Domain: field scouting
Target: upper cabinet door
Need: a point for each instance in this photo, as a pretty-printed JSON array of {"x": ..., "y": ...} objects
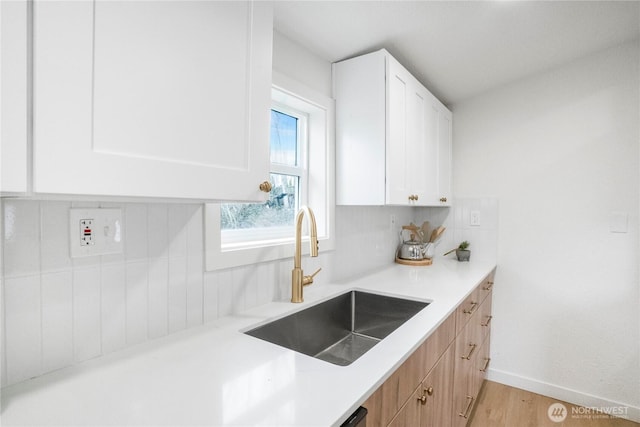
[
  {"x": 14, "y": 123},
  {"x": 411, "y": 148},
  {"x": 400, "y": 137},
  {"x": 445, "y": 125},
  {"x": 158, "y": 99}
]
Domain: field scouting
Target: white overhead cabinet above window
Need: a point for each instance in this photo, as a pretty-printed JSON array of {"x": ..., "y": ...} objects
[
  {"x": 393, "y": 137},
  {"x": 152, "y": 99}
]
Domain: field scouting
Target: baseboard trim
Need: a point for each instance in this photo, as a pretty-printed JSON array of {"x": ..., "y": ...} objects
[{"x": 561, "y": 393}]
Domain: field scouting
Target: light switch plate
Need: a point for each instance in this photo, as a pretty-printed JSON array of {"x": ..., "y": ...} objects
[
  {"x": 95, "y": 232},
  {"x": 618, "y": 222},
  {"x": 474, "y": 218}
]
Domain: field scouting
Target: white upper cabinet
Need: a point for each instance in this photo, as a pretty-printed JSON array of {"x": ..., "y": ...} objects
[
  {"x": 152, "y": 99},
  {"x": 14, "y": 122},
  {"x": 391, "y": 143}
]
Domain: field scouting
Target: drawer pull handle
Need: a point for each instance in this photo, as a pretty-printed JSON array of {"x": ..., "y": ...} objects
[
  {"x": 488, "y": 287},
  {"x": 486, "y": 364},
  {"x": 471, "y": 309},
  {"x": 473, "y": 348},
  {"x": 487, "y": 322},
  {"x": 467, "y": 412}
]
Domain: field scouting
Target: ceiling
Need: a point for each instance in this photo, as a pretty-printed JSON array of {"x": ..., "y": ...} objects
[{"x": 459, "y": 49}]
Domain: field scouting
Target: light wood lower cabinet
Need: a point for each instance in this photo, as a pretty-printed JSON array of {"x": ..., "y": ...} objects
[
  {"x": 472, "y": 357},
  {"x": 438, "y": 384}
]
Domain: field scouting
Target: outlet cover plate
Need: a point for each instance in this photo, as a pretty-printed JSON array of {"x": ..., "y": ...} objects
[{"x": 95, "y": 232}]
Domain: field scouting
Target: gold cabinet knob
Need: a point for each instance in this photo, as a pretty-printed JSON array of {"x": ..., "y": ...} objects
[
  {"x": 429, "y": 391},
  {"x": 443, "y": 199},
  {"x": 423, "y": 399},
  {"x": 413, "y": 197},
  {"x": 266, "y": 187}
]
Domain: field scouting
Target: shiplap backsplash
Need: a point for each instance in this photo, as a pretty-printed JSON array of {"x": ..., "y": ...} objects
[{"x": 59, "y": 311}]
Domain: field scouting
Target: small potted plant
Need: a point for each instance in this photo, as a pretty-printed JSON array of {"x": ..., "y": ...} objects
[{"x": 462, "y": 251}]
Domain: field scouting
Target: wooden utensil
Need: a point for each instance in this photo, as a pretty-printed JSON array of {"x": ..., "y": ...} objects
[{"x": 437, "y": 232}]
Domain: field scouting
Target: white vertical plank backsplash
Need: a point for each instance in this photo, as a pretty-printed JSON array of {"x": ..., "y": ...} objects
[
  {"x": 210, "y": 297},
  {"x": 21, "y": 238},
  {"x": 194, "y": 290},
  {"x": 224, "y": 287},
  {"x": 195, "y": 267},
  {"x": 157, "y": 229},
  {"x": 87, "y": 331},
  {"x": 23, "y": 319},
  {"x": 3, "y": 341},
  {"x": 137, "y": 291},
  {"x": 136, "y": 237},
  {"x": 177, "y": 293},
  {"x": 57, "y": 320},
  {"x": 76, "y": 309},
  {"x": 113, "y": 298},
  {"x": 54, "y": 248},
  {"x": 177, "y": 230},
  {"x": 158, "y": 297}
]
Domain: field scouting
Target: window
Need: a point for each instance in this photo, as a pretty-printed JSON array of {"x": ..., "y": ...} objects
[
  {"x": 253, "y": 222},
  {"x": 302, "y": 173}
]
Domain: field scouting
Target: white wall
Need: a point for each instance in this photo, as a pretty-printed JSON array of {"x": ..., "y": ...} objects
[
  {"x": 560, "y": 151},
  {"x": 292, "y": 60}
]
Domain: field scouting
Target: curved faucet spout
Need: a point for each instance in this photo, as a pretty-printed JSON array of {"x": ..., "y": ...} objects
[{"x": 298, "y": 279}]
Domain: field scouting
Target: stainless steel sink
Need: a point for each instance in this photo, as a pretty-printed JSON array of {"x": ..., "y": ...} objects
[{"x": 341, "y": 329}]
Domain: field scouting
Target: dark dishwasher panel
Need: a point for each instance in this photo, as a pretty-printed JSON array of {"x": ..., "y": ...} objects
[{"x": 358, "y": 418}]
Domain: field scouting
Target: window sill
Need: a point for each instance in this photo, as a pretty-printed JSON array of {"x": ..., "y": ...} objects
[{"x": 249, "y": 256}]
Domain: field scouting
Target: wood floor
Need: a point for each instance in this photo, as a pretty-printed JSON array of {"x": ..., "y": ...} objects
[{"x": 503, "y": 406}]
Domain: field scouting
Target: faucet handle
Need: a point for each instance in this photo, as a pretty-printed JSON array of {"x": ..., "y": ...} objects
[{"x": 307, "y": 280}]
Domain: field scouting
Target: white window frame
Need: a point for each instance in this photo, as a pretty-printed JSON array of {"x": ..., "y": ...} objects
[
  {"x": 247, "y": 238},
  {"x": 320, "y": 186}
]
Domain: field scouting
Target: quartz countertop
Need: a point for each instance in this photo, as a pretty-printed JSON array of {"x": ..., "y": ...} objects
[{"x": 217, "y": 375}]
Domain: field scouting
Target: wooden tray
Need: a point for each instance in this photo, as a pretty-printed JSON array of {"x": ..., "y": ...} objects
[{"x": 419, "y": 262}]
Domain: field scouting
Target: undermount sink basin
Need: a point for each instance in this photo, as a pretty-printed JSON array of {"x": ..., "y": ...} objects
[{"x": 341, "y": 329}]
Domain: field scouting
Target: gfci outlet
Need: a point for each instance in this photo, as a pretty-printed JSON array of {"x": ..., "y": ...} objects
[
  {"x": 95, "y": 232},
  {"x": 86, "y": 232}
]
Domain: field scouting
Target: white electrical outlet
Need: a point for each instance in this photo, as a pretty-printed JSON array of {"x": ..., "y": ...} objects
[
  {"x": 474, "y": 218},
  {"x": 86, "y": 232},
  {"x": 95, "y": 232}
]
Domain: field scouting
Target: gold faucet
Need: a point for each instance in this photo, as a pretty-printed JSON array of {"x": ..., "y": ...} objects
[{"x": 298, "y": 279}]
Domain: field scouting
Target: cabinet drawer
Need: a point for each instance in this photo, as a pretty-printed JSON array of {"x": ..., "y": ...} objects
[
  {"x": 467, "y": 345},
  {"x": 486, "y": 286},
  {"x": 463, "y": 396},
  {"x": 480, "y": 365},
  {"x": 437, "y": 343},
  {"x": 467, "y": 309},
  {"x": 485, "y": 318}
]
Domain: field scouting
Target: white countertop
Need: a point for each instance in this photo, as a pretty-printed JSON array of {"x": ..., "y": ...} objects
[{"x": 216, "y": 375}]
